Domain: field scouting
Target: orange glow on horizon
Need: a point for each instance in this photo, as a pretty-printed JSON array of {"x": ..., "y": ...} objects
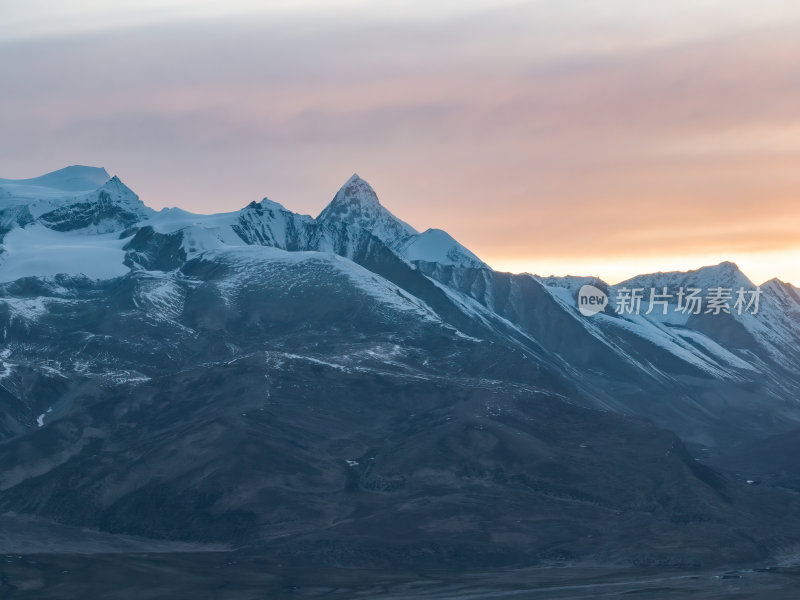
[
  {"x": 759, "y": 268},
  {"x": 622, "y": 138}
]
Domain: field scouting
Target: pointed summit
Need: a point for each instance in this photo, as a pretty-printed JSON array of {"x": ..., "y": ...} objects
[
  {"x": 115, "y": 192},
  {"x": 356, "y": 205},
  {"x": 354, "y": 194}
]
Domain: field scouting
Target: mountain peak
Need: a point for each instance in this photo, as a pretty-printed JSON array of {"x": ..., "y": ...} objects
[
  {"x": 725, "y": 266},
  {"x": 354, "y": 177},
  {"x": 356, "y": 191},
  {"x": 724, "y": 274},
  {"x": 75, "y": 178},
  {"x": 356, "y": 205},
  {"x": 95, "y": 174}
]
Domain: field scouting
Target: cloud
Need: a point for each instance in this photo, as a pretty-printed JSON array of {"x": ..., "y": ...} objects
[{"x": 521, "y": 128}]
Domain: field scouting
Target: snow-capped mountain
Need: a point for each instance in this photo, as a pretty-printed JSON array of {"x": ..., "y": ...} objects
[
  {"x": 437, "y": 246},
  {"x": 54, "y": 228},
  {"x": 66, "y": 223},
  {"x": 356, "y": 206},
  {"x": 109, "y": 208},
  {"x": 74, "y": 179},
  {"x": 266, "y": 377},
  {"x": 89, "y": 192}
]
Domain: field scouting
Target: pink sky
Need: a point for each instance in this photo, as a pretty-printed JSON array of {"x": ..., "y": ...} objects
[{"x": 548, "y": 136}]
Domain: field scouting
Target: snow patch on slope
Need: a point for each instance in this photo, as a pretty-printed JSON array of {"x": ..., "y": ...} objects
[
  {"x": 159, "y": 295},
  {"x": 27, "y": 309},
  {"x": 435, "y": 245},
  {"x": 170, "y": 220},
  {"x": 77, "y": 178},
  {"x": 37, "y": 251},
  {"x": 247, "y": 262},
  {"x": 53, "y": 190}
]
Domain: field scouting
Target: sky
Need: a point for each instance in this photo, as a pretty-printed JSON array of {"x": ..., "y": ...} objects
[{"x": 548, "y": 136}]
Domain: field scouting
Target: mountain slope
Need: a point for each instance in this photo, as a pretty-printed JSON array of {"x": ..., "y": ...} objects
[
  {"x": 708, "y": 377},
  {"x": 350, "y": 391},
  {"x": 381, "y": 469}
]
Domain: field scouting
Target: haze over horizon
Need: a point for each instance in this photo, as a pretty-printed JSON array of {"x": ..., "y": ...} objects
[{"x": 548, "y": 137}]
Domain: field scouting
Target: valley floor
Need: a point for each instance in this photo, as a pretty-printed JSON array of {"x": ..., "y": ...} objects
[{"x": 234, "y": 575}]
